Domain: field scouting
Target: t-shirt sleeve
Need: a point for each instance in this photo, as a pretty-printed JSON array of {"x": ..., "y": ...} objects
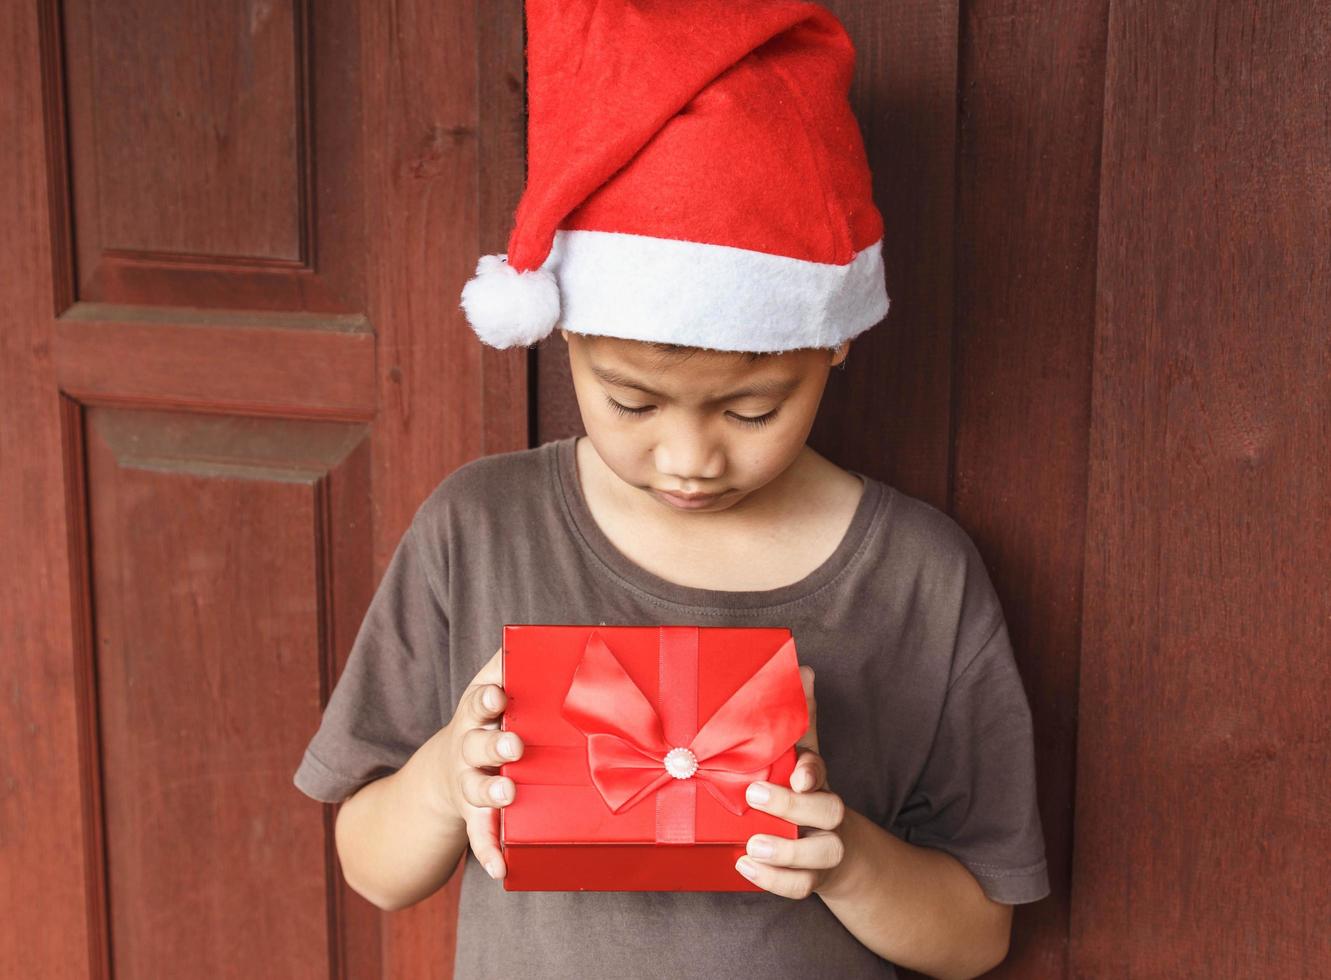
[
  {"x": 386, "y": 703},
  {"x": 976, "y": 798}
]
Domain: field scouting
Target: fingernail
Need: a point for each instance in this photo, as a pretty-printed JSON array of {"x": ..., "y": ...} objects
[
  {"x": 508, "y": 744},
  {"x": 499, "y": 792},
  {"x": 492, "y": 868},
  {"x": 757, "y": 793},
  {"x": 491, "y": 698},
  {"x": 760, "y": 848},
  {"x": 803, "y": 780},
  {"x": 746, "y": 868}
]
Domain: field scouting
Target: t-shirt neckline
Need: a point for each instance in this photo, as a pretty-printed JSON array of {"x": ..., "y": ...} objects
[{"x": 562, "y": 455}]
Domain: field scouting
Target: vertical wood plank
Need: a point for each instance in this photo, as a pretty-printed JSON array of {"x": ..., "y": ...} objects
[
  {"x": 442, "y": 168},
  {"x": 501, "y": 169},
  {"x": 54, "y": 905},
  {"x": 421, "y": 119},
  {"x": 1203, "y": 842},
  {"x": 1027, "y": 197},
  {"x": 889, "y": 413}
]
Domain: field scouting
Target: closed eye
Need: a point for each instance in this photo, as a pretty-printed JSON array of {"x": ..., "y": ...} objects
[{"x": 757, "y": 421}]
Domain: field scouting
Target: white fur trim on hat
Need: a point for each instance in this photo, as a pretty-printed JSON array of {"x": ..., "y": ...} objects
[
  {"x": 639, "y": 287},
  {"x": 507, "y": 307}
]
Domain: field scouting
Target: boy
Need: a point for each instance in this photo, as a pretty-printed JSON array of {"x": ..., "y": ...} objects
[{"x": 701, "y": 228}]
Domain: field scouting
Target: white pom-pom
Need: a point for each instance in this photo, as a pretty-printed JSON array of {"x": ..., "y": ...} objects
[{"x": 506, "y": 307}]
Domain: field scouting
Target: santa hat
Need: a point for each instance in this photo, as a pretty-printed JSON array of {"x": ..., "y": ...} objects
[{"x": 695, "y": 176}]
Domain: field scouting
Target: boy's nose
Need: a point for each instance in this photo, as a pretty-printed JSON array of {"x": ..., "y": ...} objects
[{"x": 689, "y": 461}]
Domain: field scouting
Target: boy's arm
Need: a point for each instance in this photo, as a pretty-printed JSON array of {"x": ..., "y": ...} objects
[
  {"x": 920, "y": 906},
  {"x": 398, "y": 839},
  {"x": 916, "y": 906}
]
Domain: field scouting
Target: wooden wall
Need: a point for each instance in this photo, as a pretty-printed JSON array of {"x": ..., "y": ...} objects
[
  {"x": 1204, "y": 745},
  {"x": 1108, "y": 356}
]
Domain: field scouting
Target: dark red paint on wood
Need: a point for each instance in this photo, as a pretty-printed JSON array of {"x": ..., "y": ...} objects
[{"x": 234, "y": 365}]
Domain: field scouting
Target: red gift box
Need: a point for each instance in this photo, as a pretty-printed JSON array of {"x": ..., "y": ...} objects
[{"x": 638, "y": 745}]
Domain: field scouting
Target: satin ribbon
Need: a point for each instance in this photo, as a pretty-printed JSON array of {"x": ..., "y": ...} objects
[{"x": 627, "y": 736}]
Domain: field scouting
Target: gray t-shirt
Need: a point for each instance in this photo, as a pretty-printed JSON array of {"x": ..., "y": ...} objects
[{"x": 922, "y": 717}]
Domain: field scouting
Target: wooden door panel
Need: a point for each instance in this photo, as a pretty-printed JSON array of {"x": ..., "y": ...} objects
[
  {"x": 213, "y": 153},
  {"x": 225, "y": 556},
  {"x": 217, "y": 85},
  {"x": 311, "y": 365}
]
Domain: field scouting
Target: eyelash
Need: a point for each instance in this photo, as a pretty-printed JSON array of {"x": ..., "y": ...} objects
[{"x": 757, "y": 422}]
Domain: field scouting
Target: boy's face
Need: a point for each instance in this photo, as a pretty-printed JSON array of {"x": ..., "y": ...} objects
[{"x": 709, "y": 422}]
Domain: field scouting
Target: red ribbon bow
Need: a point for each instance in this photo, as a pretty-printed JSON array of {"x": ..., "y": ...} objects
[{"x": 626, "y": 744}]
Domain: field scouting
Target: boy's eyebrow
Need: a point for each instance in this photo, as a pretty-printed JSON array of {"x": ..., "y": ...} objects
[{"x": 768, "y": 386}]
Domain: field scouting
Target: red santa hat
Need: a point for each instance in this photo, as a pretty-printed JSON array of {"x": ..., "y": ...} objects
[{"x": 695, "y": 176}]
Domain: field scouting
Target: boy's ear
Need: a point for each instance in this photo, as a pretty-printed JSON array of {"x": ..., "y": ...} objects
[{"x": 840, "y": 354}]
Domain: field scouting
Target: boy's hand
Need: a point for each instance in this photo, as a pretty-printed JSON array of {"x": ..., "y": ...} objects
[
  {"x": 472, "y": 749},
  {"x": 797, "y": 868}
]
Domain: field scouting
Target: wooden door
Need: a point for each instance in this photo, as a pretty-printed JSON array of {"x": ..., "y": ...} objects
[{"x": 234, "y": 364}]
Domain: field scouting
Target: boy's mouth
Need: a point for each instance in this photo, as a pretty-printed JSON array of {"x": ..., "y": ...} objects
[{"x": 687, "y": 501}]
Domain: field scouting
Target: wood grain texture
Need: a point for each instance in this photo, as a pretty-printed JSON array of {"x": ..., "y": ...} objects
[
  {"x": 443, "y": 99},
  {"x": 888, "y": 414},
  {"x": 213, "y": 541},
  {"x": 1202, "y": 828},
  {"x": 213, "y": 153},
  {"x": 299, "y": 364},
  {"x": 1030, "y": 88},
  {"x": 50, "y": 897},
  {"x": 191, "y": 117}
]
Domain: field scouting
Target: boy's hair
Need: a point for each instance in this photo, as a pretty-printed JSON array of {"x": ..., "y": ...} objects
[{"x": 686, "y": 351}]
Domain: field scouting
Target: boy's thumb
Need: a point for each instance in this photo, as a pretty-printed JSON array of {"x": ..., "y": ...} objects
[{"x": 476, "y": 706}]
